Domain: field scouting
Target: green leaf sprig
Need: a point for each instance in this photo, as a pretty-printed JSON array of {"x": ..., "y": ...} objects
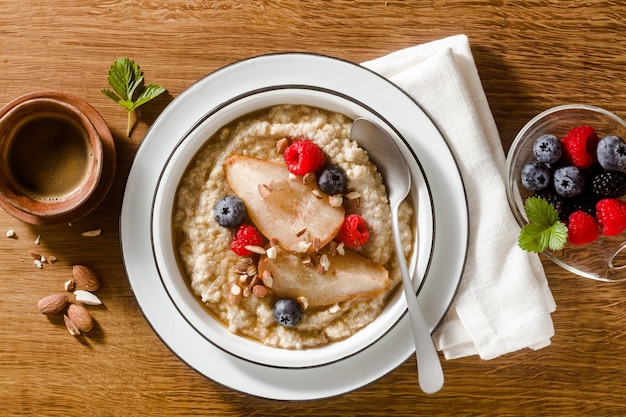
[
  {"x": 129, "y": 89},
  {"x": 544, "y": 229}
]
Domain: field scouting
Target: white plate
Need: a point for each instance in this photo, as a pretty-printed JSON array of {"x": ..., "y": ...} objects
[{"x": 356, "y": 84}]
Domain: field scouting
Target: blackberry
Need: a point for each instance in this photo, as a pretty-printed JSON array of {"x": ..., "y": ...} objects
[
  {"x": 535, "y": 176},
  {"x": 229, "y": 211},
  {"x": 609, "y": 184},
  {"x": 556, "y": 200},
  {"x": 332, "y": 179},
  {"x": 583, "y": 202}
]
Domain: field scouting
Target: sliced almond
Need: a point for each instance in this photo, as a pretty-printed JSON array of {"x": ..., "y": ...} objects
[
  {"x": 87, "y": 297},
  {"x": 255, "y": 249},
  {"x": 309, "y": 178},
  {"x": 267, "y": 279},
  {"x": 325, "y": 261},
  {"x": 70, "y": 285},
  {"x": 301, "y": 247},
  {"x": 334, "y": 309},
  {"x": 260, "y": 291},
  {"x": 303, "y": 302},
  {"x": 271, "y": 252},
  {"x": 92, "y": 233},
  {"x": 335, "y": 200},
  {"x": 308, "y": 260},
  {"x": 71, "y": 326},
  {"x": 235, "y": 289},
  {"x": 281, "y": 145}
]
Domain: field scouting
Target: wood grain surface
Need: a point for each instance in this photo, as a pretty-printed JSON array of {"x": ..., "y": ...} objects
[{"x": 531, "y": 55}]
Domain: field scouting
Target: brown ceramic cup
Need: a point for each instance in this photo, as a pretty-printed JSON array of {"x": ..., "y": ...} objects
[{"x": 57, "y": 158}]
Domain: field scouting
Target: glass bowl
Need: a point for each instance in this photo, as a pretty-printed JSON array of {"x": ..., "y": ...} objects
[{"x": 605, "y": 258}]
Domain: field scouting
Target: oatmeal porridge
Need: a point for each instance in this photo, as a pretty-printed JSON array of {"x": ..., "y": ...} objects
[{"x": 224, "y": 280}]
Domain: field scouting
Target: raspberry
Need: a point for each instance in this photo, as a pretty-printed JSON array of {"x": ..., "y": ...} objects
[
  {"x": 353, "y": 232},
  {"x": 304, "y": 156},
  {"x": 579, "y": 146},
  {"x": 611, "y": 214},
  {"x": 246, "y": 235},
  {"x": 582, "y": 228}
]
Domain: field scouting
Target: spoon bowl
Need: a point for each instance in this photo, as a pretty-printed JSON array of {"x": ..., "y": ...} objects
[{"x": 386, "y": 155}]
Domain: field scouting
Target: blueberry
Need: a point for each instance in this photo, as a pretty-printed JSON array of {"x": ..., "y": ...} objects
[
  {"x": 230, "y": 211},
  {"x": 568, "y": 181},
  {"x": 332, "y": 179},
  {"x": 611, "y": 153},
  {"x": 547, "y": 149},
  {"x": 287, "y": 312},
  {"x": 535, "y": 176}
]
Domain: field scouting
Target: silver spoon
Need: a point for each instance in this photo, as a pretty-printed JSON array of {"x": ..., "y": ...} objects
[{"x": 384, "y": 152}]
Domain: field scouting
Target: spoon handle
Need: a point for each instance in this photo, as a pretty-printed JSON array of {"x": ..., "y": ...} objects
[{"x": 429, "y": 372}]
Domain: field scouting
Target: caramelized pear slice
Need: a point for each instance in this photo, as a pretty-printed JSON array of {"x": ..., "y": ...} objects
[
  {"x": 298, "y": 215},
  {"x": 350, "y": 276}
]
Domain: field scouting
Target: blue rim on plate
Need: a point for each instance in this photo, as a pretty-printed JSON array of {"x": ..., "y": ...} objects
[{"x": 349, "y": 80}]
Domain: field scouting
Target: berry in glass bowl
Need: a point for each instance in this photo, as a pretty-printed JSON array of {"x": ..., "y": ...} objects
[{"x": 578, "y": 217}]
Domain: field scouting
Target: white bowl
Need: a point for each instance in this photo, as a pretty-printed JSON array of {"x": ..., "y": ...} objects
[{"x": 189, "y": 305}]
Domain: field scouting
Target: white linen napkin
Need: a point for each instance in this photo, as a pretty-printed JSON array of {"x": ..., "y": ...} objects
[{"x": 504, "y": 302}]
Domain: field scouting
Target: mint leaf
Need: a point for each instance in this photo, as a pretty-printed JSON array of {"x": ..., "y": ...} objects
[
  {"x": 129, "y": 90},
  {"x": 544, "y": 229}
]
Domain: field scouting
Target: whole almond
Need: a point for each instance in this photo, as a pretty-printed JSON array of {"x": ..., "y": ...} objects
[
  {"x": 52, "y": 304},
  {"x": 85, "y": 278},
  {"x": 80, "y": 317}
]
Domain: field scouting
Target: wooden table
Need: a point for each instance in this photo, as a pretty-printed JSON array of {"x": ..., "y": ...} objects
[{"x": 531, "y": 55}]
